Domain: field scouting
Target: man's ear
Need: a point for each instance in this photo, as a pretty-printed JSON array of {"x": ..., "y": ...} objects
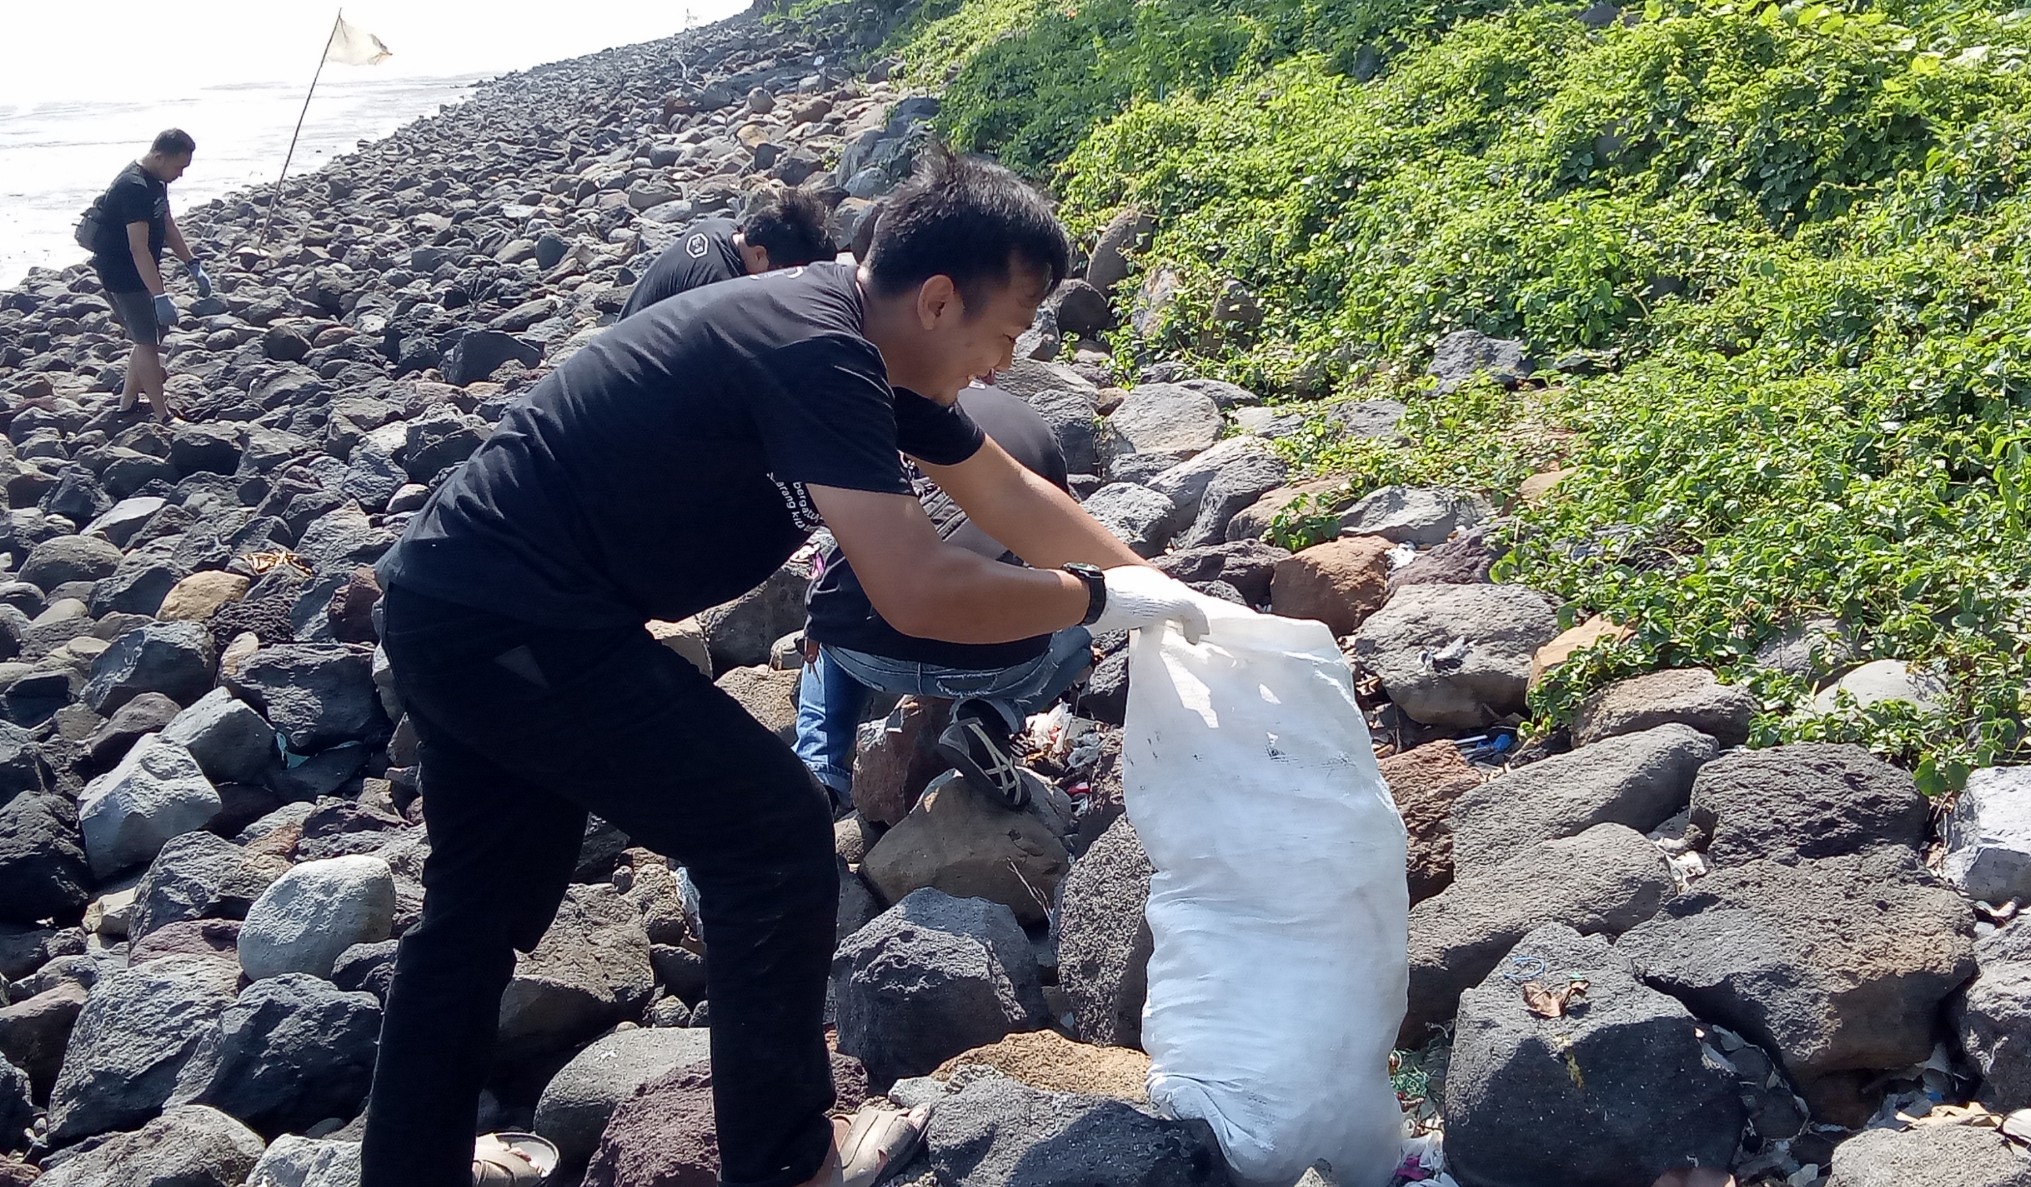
[{"x": 937, "y": 298}]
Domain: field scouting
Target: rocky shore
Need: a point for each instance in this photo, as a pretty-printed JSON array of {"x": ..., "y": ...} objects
[{"x": 1648, "y": 949}]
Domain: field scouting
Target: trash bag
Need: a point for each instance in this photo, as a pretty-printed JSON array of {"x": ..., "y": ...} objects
[{"x": 1279, "y": 908}]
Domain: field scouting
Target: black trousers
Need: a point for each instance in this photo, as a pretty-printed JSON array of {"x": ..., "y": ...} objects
[{"x": 526, "y": 729}]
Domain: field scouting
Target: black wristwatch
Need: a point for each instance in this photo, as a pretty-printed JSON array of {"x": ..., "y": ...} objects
[{"x": 1096, "y": 590}]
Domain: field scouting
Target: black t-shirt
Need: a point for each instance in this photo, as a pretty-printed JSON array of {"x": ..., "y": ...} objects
[
  {"x": 840, "y": 613},
  {"x": 135, "y": 196},
  {"x": 704, "y": 255},
  {"x": 661, "y": 470}
]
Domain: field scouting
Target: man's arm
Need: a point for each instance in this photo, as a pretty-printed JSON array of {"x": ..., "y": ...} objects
[
  {"x": 1025, "y": 513},
  {"x": 931, "y": 589},
  {"x": 144, "y": 260},
  {"x": 174, "y": 240}
]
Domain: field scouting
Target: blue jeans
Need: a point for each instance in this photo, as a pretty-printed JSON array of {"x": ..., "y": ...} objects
[{"x": 834, "y": 688}]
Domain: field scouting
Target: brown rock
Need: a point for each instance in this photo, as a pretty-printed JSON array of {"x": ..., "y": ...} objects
[
  {"x": 352, "y": 607},
  {"x": 893, "y": 770},
  {"x": 189, "y": 937},
  {"x": 1537, "y": 487},
  {"x": 35, "y": 1031},
  {"x": 686, "y": 638},
  {"x": 956, "y": 841},
  {"x": 197, "y": 596},
  {"x": 1331, "y": 495},
  {"x": 1595, "y": 631},
  {"x": 17, "y": 1174},
  {"x": 1048, "y": 1060},
  {"x": 663, "y": 1136},
  {"x": 1425, "y": 782},
  {"x": 1340, "y": 582},
  {"x": 769, "y": 696}
]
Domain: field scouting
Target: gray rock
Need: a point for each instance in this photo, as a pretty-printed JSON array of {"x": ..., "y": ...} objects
[
  {"x": 1186, "y": 483},
  {"x": 315, "y": 912},
  {"x": 155, "y": 793},
  {"x": 1884, "y": 680},
  {"x": 200, "y": 876},
  {"x": 65, "y": 559},
  {"x": 137, "y": 1031},
  {"x": 1232, "y": 491},
  {"x": 1414, "y": 514},
  {"x": 1103, "y": 939},
  {"x": 590, "y": 971},
  {"x": 1081, "y": 309},
  {"x": 366, "y": 968},
  {"x": 1466, "y": 559},
  {"x": 1581, "y": 1100},
  {"x": 1602, "y": 882},
  {"x": 22, "y": 766},
  {"x": 1640, "y": 780},
  {"x": 740, "y": 633},
  {"x": 1159, "y": 418},
  {"x": 229, "y": 740},
  {"x": 172, "y": 658},
  {"x": 1074, "y": 417},
  {"x": 190, "y": 1146},
  {"x": 1688, "y": 695},
  {"x": 145, "y": 714},
  {"x": 996, "y": 1132},
  {"x": 1413, "y": 644},
  {"x": 292, "y": 1051},
  {"x": 17, "y": 1108},
  {"x": 1247, "y": 565},
  {"x": 124, "y": 519},
  {"x": 1810, "y": 799},
  {"x": 316, "y": 694},
  {"x": 43, "y": 869},
  {"x": 581, "y": 1099},
  {"x": 1465, "y": 355},
  {"x": 1992, "y": 1018},
  {"x": 1960, "y": 1155},
  {"x": 1808, "y": 651},
  {"x": 478, "y": 353},
  {"x": 1837, "y": 964},
  {"x": 1988, "y": 837},
  {"x": 1122, "y": 239},
  {"x": 292, "y": 1161},
  {"x": 1137, "y": 516},
  {"x": 930, "y": 978}
]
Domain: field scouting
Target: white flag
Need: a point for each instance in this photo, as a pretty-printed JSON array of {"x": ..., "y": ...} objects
[{"x": 355, "y": 47}]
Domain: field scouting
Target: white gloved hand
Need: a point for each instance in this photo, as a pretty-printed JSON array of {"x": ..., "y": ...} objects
[{"x": 1139, "y": 596}]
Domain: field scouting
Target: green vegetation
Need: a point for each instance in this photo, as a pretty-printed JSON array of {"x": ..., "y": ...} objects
[{"x": 1799, "y": 231}]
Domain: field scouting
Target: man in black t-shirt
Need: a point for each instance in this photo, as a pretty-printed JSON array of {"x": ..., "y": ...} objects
[
  {"x": 849, "y": 648},
  {"x": 785, "y": 230},
  {"x": 127, "y": 229},
  {"x": 672, "y": 465}
]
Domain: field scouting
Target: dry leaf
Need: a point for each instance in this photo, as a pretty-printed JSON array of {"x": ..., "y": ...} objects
[
  {"x": 2017, "y": 1126},
  {"x": 1547, "y": 1002},
  {"x": 1955, "y": 1115}
]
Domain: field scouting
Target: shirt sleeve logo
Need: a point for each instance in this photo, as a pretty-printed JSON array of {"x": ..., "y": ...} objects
[
  {"x": 695, "y": 246},
  {"x": 797, "y": 501}
]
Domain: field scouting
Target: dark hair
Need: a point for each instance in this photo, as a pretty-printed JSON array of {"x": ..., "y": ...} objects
[
  {"x": 172, "y": 142},
  {"x": 790, "y": 225},
  {"x": 969, "y": 219}
]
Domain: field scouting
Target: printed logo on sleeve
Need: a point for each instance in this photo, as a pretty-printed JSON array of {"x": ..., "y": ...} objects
[
  {"x": 797, "y": 501},
  {"x": 695, "y": 246}
]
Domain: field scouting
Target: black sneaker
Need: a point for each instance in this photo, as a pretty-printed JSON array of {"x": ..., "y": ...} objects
[{"x": 984, "y": 762}]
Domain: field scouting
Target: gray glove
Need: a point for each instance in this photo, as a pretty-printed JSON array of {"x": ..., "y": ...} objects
[
  {"x": 1139, "y": 596},
  {"x": 198, "y": 277},
  {"x": 165, "y": 312}
]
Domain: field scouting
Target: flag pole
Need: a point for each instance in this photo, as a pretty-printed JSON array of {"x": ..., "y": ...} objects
[{"x": 321, "y": 56}]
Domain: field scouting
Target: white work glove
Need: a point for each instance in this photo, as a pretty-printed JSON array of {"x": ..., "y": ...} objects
[{"x": 1139, "y": 596}]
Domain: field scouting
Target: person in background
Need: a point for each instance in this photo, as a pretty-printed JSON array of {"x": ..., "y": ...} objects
[
  {"x": 849, "y": 648},
  {"x": 785, "y": 230},
  {"x": 133, "y": 225}
]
